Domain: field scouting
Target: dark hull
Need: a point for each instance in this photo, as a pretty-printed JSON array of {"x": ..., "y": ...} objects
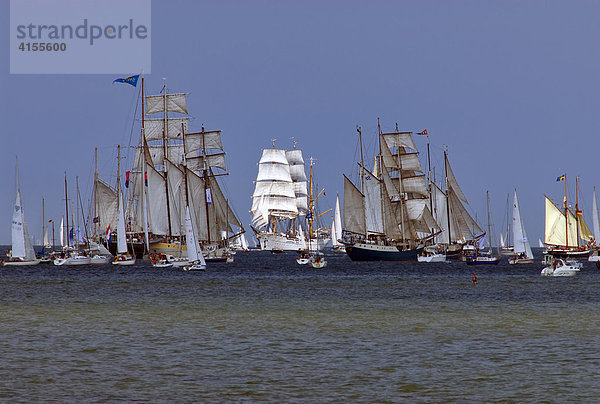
[
  {"x": 569, "y": 253},
  {"x": 380, "y": 253}
]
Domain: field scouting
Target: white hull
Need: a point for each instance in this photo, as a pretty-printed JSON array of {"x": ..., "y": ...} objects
[
  {"x": 560, "y": 268},
  {"x": 124, "y": 260},
  {"x": 195, "y": 267},
  {"x": 72, "y": 261},
  {"x": 513, "y": 261},
  {"x": 100, "y": 259},
  {"x": 281, "y": 242},
  {"x": 20, "y": 263},
  {"x": 302, "y": 261},
  {"x": 321, "y": 263},
  {"x": 432, "y": 258}
]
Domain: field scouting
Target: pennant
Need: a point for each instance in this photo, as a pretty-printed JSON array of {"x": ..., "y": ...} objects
[
  {"x": 127, "y": 179},
  {"x": 132, "y": 80},
  {"x": 208, "y": 196},
  {"x": 424, "y": 133}
]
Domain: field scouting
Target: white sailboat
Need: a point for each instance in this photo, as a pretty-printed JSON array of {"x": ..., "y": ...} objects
[
  {"x": 488, "y": 257},
  {"x": 336, "y": 229},
  {"x": 196, "y": 260},
  {"x": 595, "y": 254},
  {"x": 21, "y": 253},
  {"x": 123, "y": 256},
  {"x": 522, "y": 249}
]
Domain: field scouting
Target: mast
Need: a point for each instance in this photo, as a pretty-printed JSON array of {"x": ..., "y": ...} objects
[
  {"x": 362, "y": 162},
  {"x": 577, "y": 208},
  {"x": 311, "y": 202},
  {"x": 43, "y": 222},
  {"x": 166, "y": 153},
  {"x": 429, "y": 176},
  {"x": 447, "y": 195},
  {"x": 207, "y": 192},
  {"x": 507, "y": 223},
  {"x": 380, "y": 176},
  {"x": 487, "y": 195},
  {"x": 95, "y": 188},
  {"x": 67, "y": 210},
  {"x": 566, "y": 215}
]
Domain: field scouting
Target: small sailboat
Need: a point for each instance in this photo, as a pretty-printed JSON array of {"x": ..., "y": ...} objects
[
  {"x": 595, "y": 254},
  {"x": 196, "y": 260},
  {"x": 522, "y": 249},
  {"x": 123, "y": 256},
  {"x": 336, "y": 229},
  {"x": 505, "y": 247},
  {"x": 21, "y": 253},
  {"x": 303, "y": 255},
  {"x": 485, "y": 258}
]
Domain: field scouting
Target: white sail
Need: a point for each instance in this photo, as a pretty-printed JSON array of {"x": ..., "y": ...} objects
[
  {"x": 452, "y": 183},
  {"x": 154, "y": 128},
  {"x": 174, "y": 103},
  {"x": 194, "y": 253},
  {"x": 302, "y": 238},
  {"x": 21, "y": 243},
  {"x": 595, "y": 219},
  {"x": 399, "y": 139},
  {"x": 501, "y": 241},
  {"x": 337, "y": 220},
  {"x": 121, "y": 240},
  {"x": 541, "y": 244},
  {"x": 274, "y": 191},
  {"x": 106, "y": 206},
  {"x": 354, "y": 209},
  {"x": 46, "y": 240},
  {"x": 63, "y": 242},
  {"x": 373, "y": 207},
  {"x": 519, "y": 235},
  {"x": 556, "y": 228},
  {"x": 198, "y": 141}
]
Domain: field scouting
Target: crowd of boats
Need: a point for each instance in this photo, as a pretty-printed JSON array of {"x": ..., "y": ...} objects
[{"x": 171, "y": 209}]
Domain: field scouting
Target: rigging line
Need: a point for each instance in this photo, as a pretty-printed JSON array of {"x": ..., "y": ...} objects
[{"x": 133, "y": 123}]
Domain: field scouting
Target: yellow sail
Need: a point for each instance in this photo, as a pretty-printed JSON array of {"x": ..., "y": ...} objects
[{"x": 556, "y": 226}]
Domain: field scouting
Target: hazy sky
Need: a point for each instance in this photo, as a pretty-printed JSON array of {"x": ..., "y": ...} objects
[{"x": 511, "y": 87}]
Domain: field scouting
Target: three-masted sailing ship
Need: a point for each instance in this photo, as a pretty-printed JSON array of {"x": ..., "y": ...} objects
[
  {"x": 282, "y": 201},
  {"x": 174, "y": 168}
]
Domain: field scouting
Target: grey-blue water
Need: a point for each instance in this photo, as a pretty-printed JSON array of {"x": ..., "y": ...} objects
[{"x": 265, "y": 329}]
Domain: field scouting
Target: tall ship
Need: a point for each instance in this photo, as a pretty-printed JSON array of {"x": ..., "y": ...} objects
[
  {"x": 283, "y": 206},
  {"x": 459, "y": 232},
  {"x": 566, "y": 234},
  {"x": 387, "y": 217},
  {"x": 174, "y": 168}
]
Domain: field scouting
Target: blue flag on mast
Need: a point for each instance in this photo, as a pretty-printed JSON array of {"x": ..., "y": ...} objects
[{"x": 129, "y": 80}]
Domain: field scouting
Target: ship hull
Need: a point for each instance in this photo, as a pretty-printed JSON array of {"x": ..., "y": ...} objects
[
  {"x": 374, "y": 252},
  {"x": 281, "y": 242}
]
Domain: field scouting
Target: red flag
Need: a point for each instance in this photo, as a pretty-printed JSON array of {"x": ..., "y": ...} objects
[
  {"x": 127, "y": 179},
  {"x": 424, "y": 133},
  {"x": 146, "y": 178}
]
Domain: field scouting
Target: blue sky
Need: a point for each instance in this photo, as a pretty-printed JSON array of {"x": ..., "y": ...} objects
[{"x": 511, "y": 87}]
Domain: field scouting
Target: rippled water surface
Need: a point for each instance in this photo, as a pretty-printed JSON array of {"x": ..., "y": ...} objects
[{"x": 266, "y": 329}]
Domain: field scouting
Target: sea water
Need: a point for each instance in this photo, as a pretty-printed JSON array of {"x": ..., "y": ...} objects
[{"x": 265, "y": 329}]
